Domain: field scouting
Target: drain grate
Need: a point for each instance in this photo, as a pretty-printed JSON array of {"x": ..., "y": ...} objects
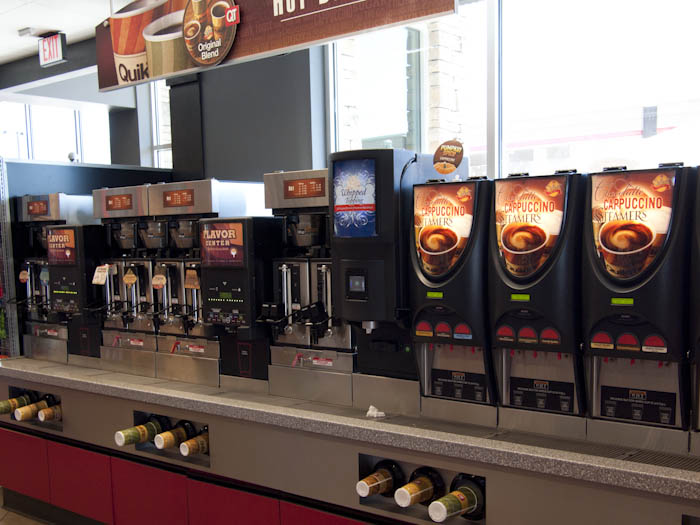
[
  {"x": 578, "y": 447},
  {"x": 660, "y": 459}
]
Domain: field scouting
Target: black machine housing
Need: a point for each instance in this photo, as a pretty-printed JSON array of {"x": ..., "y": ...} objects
[
  {"x": 455, "y": 307},
  {"x": 635, "y": 331},
  {"x": 535, "y": 319}
]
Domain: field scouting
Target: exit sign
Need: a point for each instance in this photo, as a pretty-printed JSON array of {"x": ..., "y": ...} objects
[{"x": 52, "y": 50}]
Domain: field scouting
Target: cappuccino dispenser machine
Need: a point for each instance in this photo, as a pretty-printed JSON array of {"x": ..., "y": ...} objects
[
  {"x": 236, "y": 279},
  {"x": 312, "y": 355},
  {"x": 188, "y": 349},
  {"x": 370, "y": 205},
  {"x": 534, "y": 297},
  {"x": 44, "y": 336},
  {"x": 635, "y": 305},
  {"x": 449, "y": 302},
  {"x": 128, "y": 335}
]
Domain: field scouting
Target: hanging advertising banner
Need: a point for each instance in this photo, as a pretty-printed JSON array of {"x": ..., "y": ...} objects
[{"x": 152, "y": 39}]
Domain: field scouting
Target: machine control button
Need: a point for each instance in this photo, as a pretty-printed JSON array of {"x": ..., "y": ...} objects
[
  {"x": 443, "y": 329},
  {"x": 602, "y": 341},
  {"x": 550, "y": 336},
  {"x": 527, "y": 335},
  {"x": 462, "y": 331},
  {"x": 424, "y": 329},
  {"x": 655, "y": 344},
  {"x": 505, "y": 333},
  {"x": 628, "y": 342}
]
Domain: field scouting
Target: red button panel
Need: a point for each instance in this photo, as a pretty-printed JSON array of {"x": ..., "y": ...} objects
[
  {"x": 655, "y": 344},
  {"x": 527, "y": 335},
  {"x": 505, "y": 334},
  {"x": 443, "y": 330},
  {"x": 462, "y": 331},
  {"x": 628, "y": 342},
  {"x": 550, "y": 336},
  {"x": 602, "y": 341},
  {"x": 424, "y": 329}
]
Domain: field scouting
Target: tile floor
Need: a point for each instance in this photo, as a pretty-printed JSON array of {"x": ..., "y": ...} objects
[{"x": 10, "y": 518}]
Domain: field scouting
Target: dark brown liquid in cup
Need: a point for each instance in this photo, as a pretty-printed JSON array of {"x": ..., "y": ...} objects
[
  {"x": 438, "y": 240},
  {"x": 524, "y": 238},
  {"x": 168, "y": 30},
  {"x": 218, "y": 11},
  {"x": 626, "y": 236}
]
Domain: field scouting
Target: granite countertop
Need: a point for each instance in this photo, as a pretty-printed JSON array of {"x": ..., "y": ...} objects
[{"x": 577, "y": 460}]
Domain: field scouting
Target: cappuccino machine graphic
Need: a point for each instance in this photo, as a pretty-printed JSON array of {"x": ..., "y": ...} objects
[
  {"x": 448, "y": 294},
  {"x": 312, "y": 354},
  {"x": 535, "y": 301},
  {"x": 371, "y": 203},
  {"x": 636, "y": 281},
  {"x": 45, "y": 336},
  {"x": 236, "y": 280}
]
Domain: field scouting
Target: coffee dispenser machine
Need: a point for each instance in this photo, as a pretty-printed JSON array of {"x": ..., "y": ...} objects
[
  {"x": 312, "y": 355},
  {"x": 129, "y": 333},
  {"x": 370, "y": 205},
  {"x": 449, "y": 300},
  {"x": 74, "y": 302},
  {"x": 534, "y": 295},
  {"x": 44, "y": 337},
  {"x": 635, "y": 305},
  {"x": 188, "y": 348},
  {"x": 236, "y": 279}
]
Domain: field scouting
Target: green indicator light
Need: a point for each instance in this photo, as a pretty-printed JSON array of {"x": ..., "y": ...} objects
[
  {"x": 520, "y": 297},
  {"x": 434, "y": 295},
  {"x": 622, "y": 301},
  {"x": 407, "y": 349}
]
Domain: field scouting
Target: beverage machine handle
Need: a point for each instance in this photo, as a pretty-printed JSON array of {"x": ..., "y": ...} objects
[
  {"x": 327, "y": 293},
  {"x": 287, "y": 291}
]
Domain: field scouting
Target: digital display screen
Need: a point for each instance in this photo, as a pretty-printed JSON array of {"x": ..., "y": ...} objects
[
  {"x": 119, "y": 202},
  {"x": 38, "y": 208},
  {"x": 177, "y": 198},
  {"x": 356, "y": 283},
  {"x": 305, "y": 188},
  {"x": 225, "y": 295},
  {"x": 354, "y": 195}
]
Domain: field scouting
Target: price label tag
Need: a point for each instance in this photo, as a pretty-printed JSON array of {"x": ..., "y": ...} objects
[
  {"x": 159, "y": 281},
  {"x": 130, "y": 278},
  {"x": 23, "y": 276},
  {"x": 191, "y": 280},
  {"x": 100, "y": 276}
]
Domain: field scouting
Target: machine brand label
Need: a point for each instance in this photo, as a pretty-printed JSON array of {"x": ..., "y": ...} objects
[
  {"x": 529, "y": 215},
  {"x": 542, "y": 394},
  {"x": 35, "y": 208},
  {"x": 100, "y": 275},
  {"x": 354, "y": 195},
  {"x": 119, "y": 202},
  {"x": 222, "y": 243},
  {"x": 443, "y": 215},
  {"x": 457, "y": 384},
  {"x": 61, "y": 246},
  {"x": 647, "y": 406},
  {"x": 305, "y": 188},
  {"x": 178, "y": 198},
  {"x": 631, "y": 219}
]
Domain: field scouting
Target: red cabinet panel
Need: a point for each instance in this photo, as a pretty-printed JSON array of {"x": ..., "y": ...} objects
[
  {"x": 80, "y": 481},
  {"x": 291, "y": 514},
  {"x": 147, "y": 495},
  {"x": 214, "y": 505},
  {"x": 23, "y": 464}
]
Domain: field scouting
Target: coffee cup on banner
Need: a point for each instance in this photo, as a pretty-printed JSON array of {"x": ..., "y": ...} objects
[
  {"x": 218, "y": 18},
  {"x": 128, "y": 44},
  {"x": 165, "y": 45}
]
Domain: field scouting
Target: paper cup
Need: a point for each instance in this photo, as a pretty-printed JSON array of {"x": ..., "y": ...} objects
[
  {"x": 165, "y": 45},
  {"x": 129, "y": 47},
  {"x": 218, "y": 18}
]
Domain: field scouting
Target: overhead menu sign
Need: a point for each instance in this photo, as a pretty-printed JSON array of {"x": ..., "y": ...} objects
[{"x": 151, "y": 39}]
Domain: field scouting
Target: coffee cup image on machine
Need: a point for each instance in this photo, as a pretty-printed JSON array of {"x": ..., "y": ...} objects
[
  {"x": 449, "y": 243},
  {"x": 534, "y": 292},
  {"x": 635, "y": 275}
]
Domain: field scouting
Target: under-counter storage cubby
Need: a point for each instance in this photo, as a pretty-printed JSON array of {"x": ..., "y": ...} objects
[
  {"x": 168, "y": 437},
  {"x": 434, "y": 495},
  {"x": 42, "y": 409}
]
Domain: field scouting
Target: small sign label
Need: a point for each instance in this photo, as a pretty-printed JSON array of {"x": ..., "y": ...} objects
[
  {"x": 130, "y": 278},
  {"x": 119, "y": 202},
  {"x": 322, "y": 361},
  {"x": 52, "y": 50},
  {"x": 136, "y": 342},
  {"x": 35, "y": 208},
  {"x": 159, "y": 281},
  {"x": 23, "y": 276},
  {"x": 100, "y": 276},
  {"x": 178, "y": 198},
  {"x": 197, "y": 349},
  {"x": 448, "y": 157},
  {"x": 191, "y": 280},
  {"x": 305, "y": 188},
  {"x": 61, "y": 246}
]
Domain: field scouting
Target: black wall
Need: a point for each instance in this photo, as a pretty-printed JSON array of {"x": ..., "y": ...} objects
[{"x": 79, "y": 179}]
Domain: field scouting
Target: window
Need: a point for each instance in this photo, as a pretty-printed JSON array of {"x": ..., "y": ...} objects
[
  {"x": 415, "y": 87},
  {"x": 51, "y": 133},
  {"x": 162, "y": 139},
  {"x": 597, "y": 84}
]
